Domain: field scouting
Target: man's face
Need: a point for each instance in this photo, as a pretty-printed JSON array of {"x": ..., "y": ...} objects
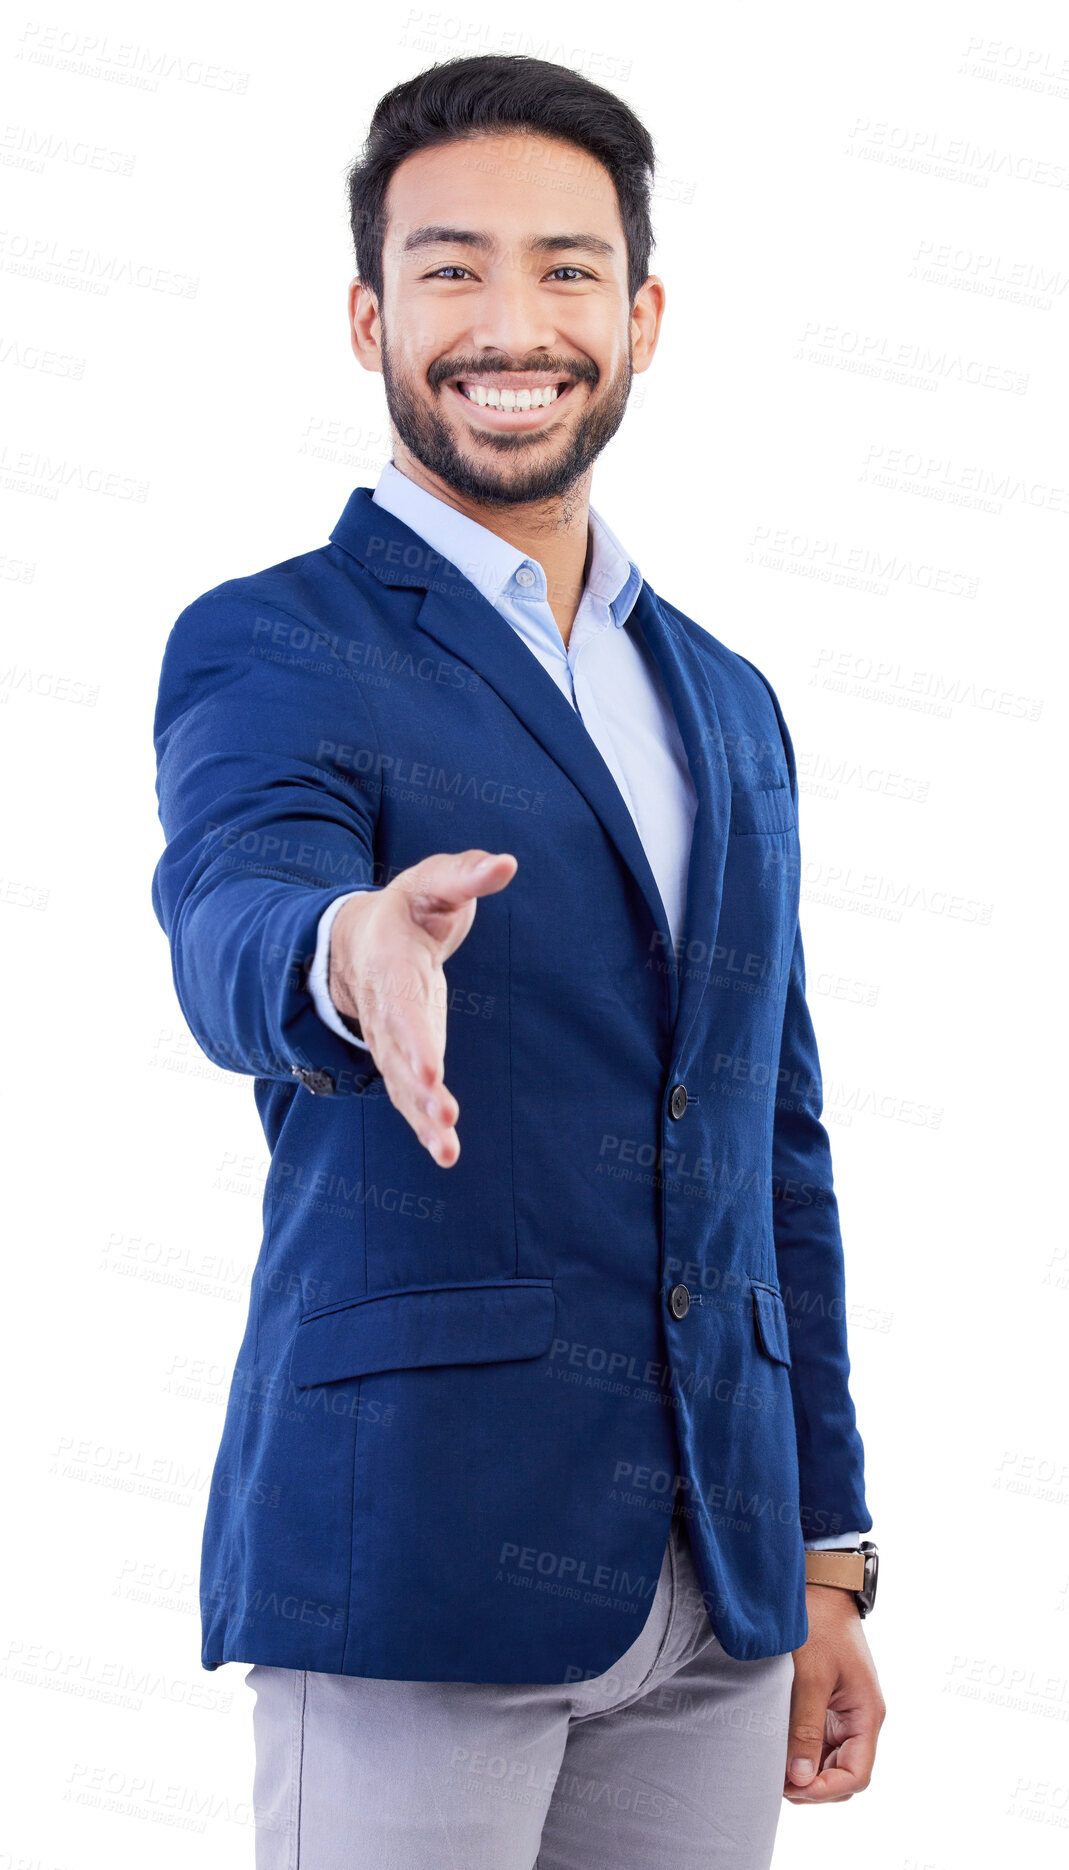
[{"x": 505, "y": 335}]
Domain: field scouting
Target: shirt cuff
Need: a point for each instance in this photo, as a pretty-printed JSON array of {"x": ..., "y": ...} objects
[
  {"x": 318, "y": 972},
  {"x": 841, "y": 1539}
]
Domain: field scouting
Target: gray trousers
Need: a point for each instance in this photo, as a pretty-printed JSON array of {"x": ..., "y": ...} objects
[{"x": 674, "y": 1759}]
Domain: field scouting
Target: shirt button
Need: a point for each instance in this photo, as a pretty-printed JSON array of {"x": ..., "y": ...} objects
[
  {"x": 677, "y": 1102},
  {"x": 679, "y": 1301},
  {"x": 525, "y": 575}
]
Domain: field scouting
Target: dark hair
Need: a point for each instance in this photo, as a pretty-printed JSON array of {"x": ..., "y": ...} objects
[{"x": 472, "y": 96}]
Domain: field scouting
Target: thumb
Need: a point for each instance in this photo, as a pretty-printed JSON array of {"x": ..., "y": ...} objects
[
  {"x": 809, "y": 1707},
  {"x": 441, "y": 892}
]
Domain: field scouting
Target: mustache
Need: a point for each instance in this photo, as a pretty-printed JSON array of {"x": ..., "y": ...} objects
[{"x": 581, "y": 371}]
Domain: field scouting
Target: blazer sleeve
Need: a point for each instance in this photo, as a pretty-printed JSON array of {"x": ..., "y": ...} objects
[
  {"x": 268, "y": 782},
  {"x": 810, "y": 1262},
  {"x": 810, "y": 1265}
]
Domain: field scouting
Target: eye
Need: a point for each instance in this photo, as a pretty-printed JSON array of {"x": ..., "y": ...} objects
[{"x": 455, "y": 269}]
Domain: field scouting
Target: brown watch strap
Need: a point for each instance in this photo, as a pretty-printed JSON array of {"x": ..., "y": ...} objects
[{"x": 844, "y": 1569}]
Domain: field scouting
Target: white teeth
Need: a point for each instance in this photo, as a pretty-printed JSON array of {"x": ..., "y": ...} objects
[{"x": 510, "y": 399}]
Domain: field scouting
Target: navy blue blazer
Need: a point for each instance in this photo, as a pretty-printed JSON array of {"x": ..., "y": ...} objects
[{"x": 464, "y": 1396}]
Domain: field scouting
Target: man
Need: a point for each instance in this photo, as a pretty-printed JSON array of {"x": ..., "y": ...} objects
[{"x": 470, "y": 835}]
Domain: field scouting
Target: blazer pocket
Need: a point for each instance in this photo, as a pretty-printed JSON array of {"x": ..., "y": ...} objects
[
  {"x": 765, "y": 809},
  {"x": 483, "y": 1321},
  {"x": 770, "y": 1322}
]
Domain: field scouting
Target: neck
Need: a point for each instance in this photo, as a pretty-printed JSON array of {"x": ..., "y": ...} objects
[{"x": 554, "y": 532}]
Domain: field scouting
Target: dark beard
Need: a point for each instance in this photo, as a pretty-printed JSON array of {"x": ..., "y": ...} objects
[{"x": 429, "y": 439}]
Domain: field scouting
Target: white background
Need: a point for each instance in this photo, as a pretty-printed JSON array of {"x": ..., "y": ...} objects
[{"x": 849, "y": 463}]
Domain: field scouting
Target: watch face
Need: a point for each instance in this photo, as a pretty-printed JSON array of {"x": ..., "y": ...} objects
[{"x": 866, "y": 1597}]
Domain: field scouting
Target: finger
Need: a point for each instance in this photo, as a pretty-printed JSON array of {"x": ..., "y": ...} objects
[
  {"x": 805, "y": 1743},
  {"x": 492, "y": 871},
  {"x": 405, "y": 1001},
  {"x": 855, "y": 1756},
  {"x": 431, "y": 1111},
  {"x": 846, "y": 1770},
  {"x": 422, "y": 1111},
  {"x": 830, "y": 1787},
  {"x": 441, "y": 885},
  {"x": 458, "y": 876}
]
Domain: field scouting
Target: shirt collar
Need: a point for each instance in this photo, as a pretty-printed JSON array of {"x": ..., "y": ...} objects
[{"x": 490, "y": 563}]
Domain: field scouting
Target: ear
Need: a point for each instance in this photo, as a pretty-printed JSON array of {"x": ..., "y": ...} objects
[
  {"x": 365, "y": 326},
  {"x": 646, "y": 316}
]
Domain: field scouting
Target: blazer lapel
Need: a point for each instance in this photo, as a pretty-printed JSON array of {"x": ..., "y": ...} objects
[
  {"x": 690, "y": 691},
  {"x": 491, "y": 647}
]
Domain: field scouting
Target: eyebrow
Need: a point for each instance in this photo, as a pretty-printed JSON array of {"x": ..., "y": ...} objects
[{"x": 436, "y": 235}]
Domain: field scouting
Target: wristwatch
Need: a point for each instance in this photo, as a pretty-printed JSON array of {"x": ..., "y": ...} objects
[{"x": 848, "y": 1570}]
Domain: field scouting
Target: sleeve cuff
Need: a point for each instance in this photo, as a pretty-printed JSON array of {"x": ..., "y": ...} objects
[{"x": 318, "y": 972}]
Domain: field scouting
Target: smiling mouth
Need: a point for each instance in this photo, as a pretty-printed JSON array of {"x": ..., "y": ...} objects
[{"x": 514, "y": 402}]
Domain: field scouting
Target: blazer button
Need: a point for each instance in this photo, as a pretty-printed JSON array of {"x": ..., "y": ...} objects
[
  {"x": 679, "y": 1301},
  {"x": 677, "y": 1101},
  {"x": 319, "y": 1081}
]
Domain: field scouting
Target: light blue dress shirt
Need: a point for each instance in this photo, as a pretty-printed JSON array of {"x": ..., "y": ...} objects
[{"x": 605, "y": 673}]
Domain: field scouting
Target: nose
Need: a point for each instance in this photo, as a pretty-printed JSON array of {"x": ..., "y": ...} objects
[{"x": 511, "y": 318}]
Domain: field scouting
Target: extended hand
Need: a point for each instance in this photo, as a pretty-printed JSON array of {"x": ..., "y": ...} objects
[
  {"x": 837, "y": 1709},
  {"x": 387, "y": 948}
]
